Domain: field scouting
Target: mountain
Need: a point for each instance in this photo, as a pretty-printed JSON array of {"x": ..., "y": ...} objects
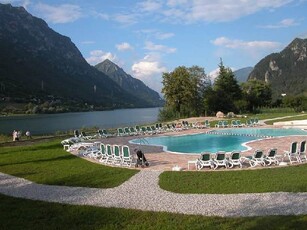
[
  {"x": 285, "y": 71},
  {"x": 132, "y": 85},
  {"x": 37, "y": 63},
  {"x": 242, "y": 74}
]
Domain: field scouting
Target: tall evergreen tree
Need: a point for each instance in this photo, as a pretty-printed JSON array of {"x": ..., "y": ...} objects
[{"x": 227, "y": 90}]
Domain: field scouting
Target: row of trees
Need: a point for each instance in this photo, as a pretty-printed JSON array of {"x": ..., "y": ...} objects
[{"x": 190, "y": 92}]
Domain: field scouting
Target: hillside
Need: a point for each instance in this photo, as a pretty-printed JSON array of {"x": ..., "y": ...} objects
[
  {"x": 242, "y": 74},
  {"x": 37, "y": 63},
  {"x": 132, "y": 85},
  {"x": 285, "y": 71}
]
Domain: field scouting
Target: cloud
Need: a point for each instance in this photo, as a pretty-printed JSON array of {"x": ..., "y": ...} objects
[
  {"x": 126, "y": 19},
  {"x": 162, "y": 36},
  {"x": 97, "y": 56},
  {"x": 103, "y": 16},
  {"x": 59, "y": 14},
  {"x": 124, "y": 46},
  {"x": 184, "y": 11},
  {"x": 288, "y": 22},
  {"x": 152, "y": 33},
  {"x": 24, "y": 3},
  {"x": 161, "y": 48},
  {"x": 240, "y": 44},
  {"x": 247, "y": 50},
  {"x": 215, "y": 73},
  {"x": 149, "y": 5},
  {"x": 149, "y": 70}
]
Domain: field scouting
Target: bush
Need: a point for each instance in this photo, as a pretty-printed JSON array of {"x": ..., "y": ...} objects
[{"x": 166, "y": 114}]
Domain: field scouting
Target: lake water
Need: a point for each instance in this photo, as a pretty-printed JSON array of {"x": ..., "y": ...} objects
[{"x": 50, "y": 123}]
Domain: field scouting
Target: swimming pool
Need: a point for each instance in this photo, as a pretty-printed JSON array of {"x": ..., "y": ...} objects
[{"x": 217, "y": 140}]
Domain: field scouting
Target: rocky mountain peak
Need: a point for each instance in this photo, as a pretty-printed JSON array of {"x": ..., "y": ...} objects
[
  {"x": 132, "y": 85},
  {"x": 285, "y": 71}
]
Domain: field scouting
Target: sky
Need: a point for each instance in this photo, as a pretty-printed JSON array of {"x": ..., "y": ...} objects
[{"x": 149, "y": 37}]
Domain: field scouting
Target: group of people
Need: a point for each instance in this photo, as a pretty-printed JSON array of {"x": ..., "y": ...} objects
[{"x": 17, "y": 135}]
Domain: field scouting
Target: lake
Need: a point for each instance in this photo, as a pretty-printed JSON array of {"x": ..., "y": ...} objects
[{"x": 50, "y": 123}]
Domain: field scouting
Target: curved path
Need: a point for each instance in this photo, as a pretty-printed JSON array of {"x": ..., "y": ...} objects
[{"x": 142, "y": 192}]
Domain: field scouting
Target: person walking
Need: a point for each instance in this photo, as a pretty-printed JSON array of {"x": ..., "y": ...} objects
[{"x": 15, "y": 135}]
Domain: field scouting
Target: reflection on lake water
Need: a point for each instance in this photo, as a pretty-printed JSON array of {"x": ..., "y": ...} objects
[{"x": 50, "y": 123}]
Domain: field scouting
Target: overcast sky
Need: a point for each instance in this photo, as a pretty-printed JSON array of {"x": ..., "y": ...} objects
[{"x": 146, "y": 38}]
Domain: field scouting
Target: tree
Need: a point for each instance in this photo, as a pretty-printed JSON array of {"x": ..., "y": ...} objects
[
  {"x": 298, "y": 103},
  {"x": 257, "y": 93},
  {"x": 183, "y": 91},
  {"x": 227, "y": 90}
]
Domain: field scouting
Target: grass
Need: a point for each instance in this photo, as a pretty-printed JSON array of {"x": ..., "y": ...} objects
[
  {"x": 266, "y": 115},
  {"x": 302, "y": 117},
  {"x": 285, "y": 179},
  {"x": 48, "y": 163},
  {"x": 22, "y": 214}
]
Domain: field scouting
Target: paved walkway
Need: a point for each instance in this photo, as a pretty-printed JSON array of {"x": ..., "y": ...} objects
[{"x": 142, "y": 192}]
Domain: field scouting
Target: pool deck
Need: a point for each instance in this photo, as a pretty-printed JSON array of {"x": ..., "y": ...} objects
[{"x": 165, "y": 161}]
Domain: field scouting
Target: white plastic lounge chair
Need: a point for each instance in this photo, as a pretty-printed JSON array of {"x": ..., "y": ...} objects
[
  {"x": 234, "y": 124},
  {"x": 87, "y": 137},
  {"x": 94, "y": 150},
  {"x": 257, "y": 159},
  {"x": 240, "y": 124},
  {"x": 219, "y": 124},
  {"x": 292, "y": 154},
  {"x": 143, "y": 130},
  {"x": 106, "y": 134},
  {"x": 133, "y": 132},
  {"x": 220, "y": 160},
  {"x": 127, "y": 131},
  {"x": 256, "y": 121},
  {"x": 205, "y": 160},
  {"x": 271, "y": 158},
  {"x": 207, "y": 124},
  {"x": 235, "y": 159},
  {"x": 117, "y": 160},
  {"x": 138, "y": 129},
  {"x": 126, "y": 156},
  {"x": 109, "y": 154},
  {"x": 302, "y": 151},
  {"x": 149, "y": 130},
  {"x": 153, "y": 129},
  {"x": 103, "y": 153},
  {"x": 120, "y": 132},
  {"x": 249, "y": 123}
]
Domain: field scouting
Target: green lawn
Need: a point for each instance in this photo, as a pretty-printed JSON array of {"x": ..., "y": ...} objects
[
  {"x": 23, "y": 214},
  {"x": 48, "y": 163},
  {"x": 285, "y": 179},
  {"x": 301, "y": 117}
]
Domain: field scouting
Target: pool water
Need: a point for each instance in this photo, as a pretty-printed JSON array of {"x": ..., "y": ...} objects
[
  {"x": 221, "y": 140},
  {"x": 265, "y": 132}
]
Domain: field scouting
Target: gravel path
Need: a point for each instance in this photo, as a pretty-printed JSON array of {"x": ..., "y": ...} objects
[{"x": 142, "y": 192}]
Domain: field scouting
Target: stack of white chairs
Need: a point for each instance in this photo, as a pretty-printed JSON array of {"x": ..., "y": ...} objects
[{"x": 116, "y": 155}]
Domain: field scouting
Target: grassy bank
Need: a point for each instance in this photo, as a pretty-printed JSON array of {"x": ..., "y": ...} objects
[
  {"x": 285, "y": 179},
  {"x": 48, "y": 163}
]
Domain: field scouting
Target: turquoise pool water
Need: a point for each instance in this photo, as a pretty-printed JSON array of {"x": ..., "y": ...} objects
[{"x": 221, "y": 140}]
